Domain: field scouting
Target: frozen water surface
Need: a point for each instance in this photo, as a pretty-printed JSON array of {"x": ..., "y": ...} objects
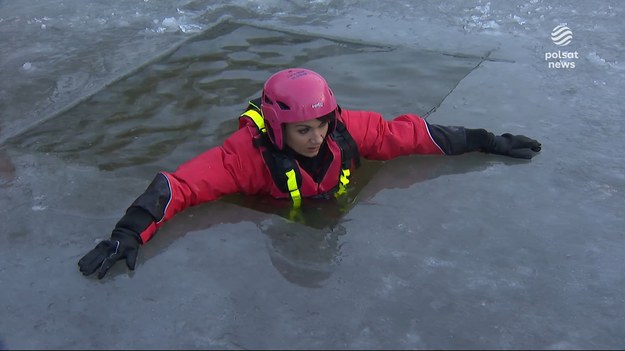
[{"x": 473, "y": 251}]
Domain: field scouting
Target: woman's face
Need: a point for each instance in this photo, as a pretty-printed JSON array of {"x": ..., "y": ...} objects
[{"x": 306, "y": 137}]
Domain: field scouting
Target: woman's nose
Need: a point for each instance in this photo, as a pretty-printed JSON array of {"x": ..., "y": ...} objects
[{"x": 318, "y": 137}]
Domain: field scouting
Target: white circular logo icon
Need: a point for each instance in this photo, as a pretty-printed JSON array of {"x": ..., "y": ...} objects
[{"x": 561, "y": 35}]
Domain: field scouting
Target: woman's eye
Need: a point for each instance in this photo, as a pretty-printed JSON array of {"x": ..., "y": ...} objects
[{"x": 303, "y": 131}]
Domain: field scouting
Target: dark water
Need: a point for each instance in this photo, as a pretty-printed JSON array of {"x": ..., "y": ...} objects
[{"x": 189, "y": 100}]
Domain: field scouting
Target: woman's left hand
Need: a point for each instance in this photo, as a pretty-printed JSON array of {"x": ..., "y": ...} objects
[{"x": 518, "y": 146}]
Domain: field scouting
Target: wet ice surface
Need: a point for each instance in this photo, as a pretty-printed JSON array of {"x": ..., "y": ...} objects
[{"x": 474, "y": 251}]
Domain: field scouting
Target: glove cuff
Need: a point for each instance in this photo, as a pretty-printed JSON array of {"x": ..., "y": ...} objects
[
  {"x": 479, "y": 140},
  {"x": 135, "y": 221}
]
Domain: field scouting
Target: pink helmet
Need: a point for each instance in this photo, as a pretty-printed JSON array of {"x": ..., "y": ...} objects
[{"x": 295, "y": 95}]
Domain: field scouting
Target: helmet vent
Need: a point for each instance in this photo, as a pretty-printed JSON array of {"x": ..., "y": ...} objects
[
  {"x": 268, "y": 100},
  {"x": 283, "y": 106}
]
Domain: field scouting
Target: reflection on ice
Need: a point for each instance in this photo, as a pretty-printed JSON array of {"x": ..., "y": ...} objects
[{"x": 303, "y": 255}]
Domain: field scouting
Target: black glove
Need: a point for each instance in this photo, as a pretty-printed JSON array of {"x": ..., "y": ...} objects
[
  {"x": 458, "y": 140},
  {"x": 122, "y": 245},
  {"x": 518, "y": 146}
]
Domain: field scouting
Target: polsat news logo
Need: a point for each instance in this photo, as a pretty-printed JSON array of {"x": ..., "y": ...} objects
[{"x": 561, "y": 35}]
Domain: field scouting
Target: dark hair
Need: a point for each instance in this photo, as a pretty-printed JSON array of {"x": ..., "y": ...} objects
[{"x": 329, "y": 117}]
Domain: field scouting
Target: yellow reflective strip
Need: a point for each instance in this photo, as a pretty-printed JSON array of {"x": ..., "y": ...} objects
[
  {"x": 291, "y": 183},
  {"x": 345, "y": 177},
  {"x": 341, "y": 190},
  {"x": 344, "y": 180},
  {"x": 257, "y": 118}
]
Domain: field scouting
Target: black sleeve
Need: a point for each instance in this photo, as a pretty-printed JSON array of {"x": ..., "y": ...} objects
[
  {"x": 454, "y": 140},
  {"x": 149, "y": 207},
  {"x": 155, "y": 198}
]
